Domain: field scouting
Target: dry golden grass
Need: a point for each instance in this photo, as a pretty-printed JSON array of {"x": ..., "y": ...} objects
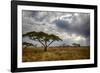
[{"x": 53, "y": 54}]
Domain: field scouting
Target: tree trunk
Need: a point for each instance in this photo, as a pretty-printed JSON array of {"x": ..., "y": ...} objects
[{"x": 45, "y": 48}]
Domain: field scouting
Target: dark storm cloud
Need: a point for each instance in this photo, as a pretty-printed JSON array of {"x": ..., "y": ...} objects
[
  {"x": 62, "y": 24},
  {"x": 29, "y": 13},
  {"x": 80, "y": 28}
]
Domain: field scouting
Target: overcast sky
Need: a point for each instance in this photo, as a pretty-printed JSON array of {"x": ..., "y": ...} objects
[{"x": 71, "y": 27}]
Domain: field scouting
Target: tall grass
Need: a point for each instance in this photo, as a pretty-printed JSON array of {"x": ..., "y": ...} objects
[{"x": 53, "y": 54}]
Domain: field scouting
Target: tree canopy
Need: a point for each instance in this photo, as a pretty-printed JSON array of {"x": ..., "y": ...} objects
[
  {"x": 45, "y": 39},
  {"x": 26, "y": 44},
  {"x": 76, "y": 44}
]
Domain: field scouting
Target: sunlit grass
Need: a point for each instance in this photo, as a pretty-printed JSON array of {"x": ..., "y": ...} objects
[{"x": 53, "y": 54}]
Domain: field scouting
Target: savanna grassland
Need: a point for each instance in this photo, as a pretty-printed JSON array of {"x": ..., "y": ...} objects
[{"x": 53, "y": 54}]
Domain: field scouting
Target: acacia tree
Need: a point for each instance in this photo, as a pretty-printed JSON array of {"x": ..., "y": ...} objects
[
  {"x": 26, "y": 44},
  {"x": 75, "y": 44},
  {"x": 43, "y": 38}
]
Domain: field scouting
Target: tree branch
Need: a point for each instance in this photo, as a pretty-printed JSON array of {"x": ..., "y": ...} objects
[
  {"x": 41, "y": 42},
  {"x": 50, "y": 43}
]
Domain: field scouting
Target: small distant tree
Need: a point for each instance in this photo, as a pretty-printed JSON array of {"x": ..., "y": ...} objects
[
  {"x": 75, "y": 44},
  {"x": 67, "y": 45},
  {"x": 26, "y": 44},
  {"x": 43, "y": 38},
  {"x": 63, "y": 45}
]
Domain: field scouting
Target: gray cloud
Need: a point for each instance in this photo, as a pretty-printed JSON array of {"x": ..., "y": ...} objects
[
  {"x": 79, "y": 25},
  {"x": 63, "y": 24}
]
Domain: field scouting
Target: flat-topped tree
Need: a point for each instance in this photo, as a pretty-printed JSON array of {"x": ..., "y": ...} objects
[
  {"x": 26, "y": 44},
  {"x": 76, "y": 44},
  {"x": 43, "y": 38}
]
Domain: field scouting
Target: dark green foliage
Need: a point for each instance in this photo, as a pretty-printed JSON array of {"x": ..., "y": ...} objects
[
  {"x": 26, "y": 44},
  {"x": 45, "y": 39},
  {"x": 75, "y": 44}
]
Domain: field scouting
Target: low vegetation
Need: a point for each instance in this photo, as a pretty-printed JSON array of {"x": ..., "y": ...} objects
[{"x": 55, "y": 53}]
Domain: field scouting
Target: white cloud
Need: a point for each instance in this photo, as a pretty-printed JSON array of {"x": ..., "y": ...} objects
[{"x": 43, "y": 21}]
